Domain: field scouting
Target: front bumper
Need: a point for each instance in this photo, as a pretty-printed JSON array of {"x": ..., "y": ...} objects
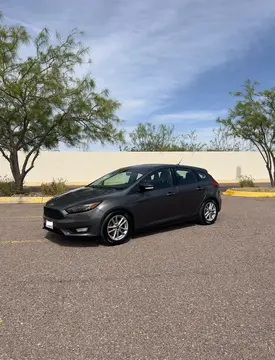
[{"x": 70, "y": 223}]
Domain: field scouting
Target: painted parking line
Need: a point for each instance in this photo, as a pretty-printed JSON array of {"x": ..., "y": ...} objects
[
  {"x": 5, "y": 242},
  {"x": 21, "y": 217}
]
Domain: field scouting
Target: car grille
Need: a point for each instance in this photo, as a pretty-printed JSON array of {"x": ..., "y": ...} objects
[{"x": 53, "y": 213}]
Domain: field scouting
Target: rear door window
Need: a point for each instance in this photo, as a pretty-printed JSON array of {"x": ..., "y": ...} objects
[{"x": 185, "y": 176}]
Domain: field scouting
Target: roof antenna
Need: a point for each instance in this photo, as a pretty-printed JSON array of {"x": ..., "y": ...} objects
[{"x": 180, "y": 161}]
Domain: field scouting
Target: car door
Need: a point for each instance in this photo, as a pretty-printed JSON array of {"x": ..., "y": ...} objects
[
  {"x": 158, "y": 205},
  {"x": 190, "y": 193}
]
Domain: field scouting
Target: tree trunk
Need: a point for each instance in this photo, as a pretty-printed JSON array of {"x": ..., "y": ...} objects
[
  {"x": 20, "y": 174},
  {"x": 271, "y": 178},
  {"x": 273, "y": 160},
  {"x": 15, "y": 169}
]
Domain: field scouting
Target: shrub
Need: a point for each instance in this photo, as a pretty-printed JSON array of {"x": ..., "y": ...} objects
[
  {"x": 7, "y": 186},
  {"x": 246, "y": 181},
  {"x": 54, "y": 188}
]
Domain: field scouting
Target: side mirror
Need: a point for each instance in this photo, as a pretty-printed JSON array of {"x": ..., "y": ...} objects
[{"x": 146, "y": 187}]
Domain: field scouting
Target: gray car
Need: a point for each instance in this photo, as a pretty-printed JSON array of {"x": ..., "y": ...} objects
[{"x": 134, "y": 198}]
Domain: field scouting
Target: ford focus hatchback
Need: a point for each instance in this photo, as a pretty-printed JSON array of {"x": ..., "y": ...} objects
[{"x": 134, "y": 198}]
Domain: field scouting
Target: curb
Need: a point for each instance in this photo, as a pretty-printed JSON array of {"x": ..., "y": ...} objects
[
  {"x": 255, "y": 194},
  {"x": 43, "y": 200},
  {"x": 24, "y": 200}
]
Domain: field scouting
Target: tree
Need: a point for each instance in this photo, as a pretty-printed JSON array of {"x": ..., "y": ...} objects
[
  {"x": 253, "y": 119},
  {"x": 224, "y": 141},
  {"x": 43, "y": 102},
  {"x": 190, "y": 142},
  {"x": 149, "y": 137}
]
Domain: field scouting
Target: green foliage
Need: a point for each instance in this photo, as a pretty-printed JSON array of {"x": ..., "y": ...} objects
[
  {"x": 246, "y": 181},
  {"x": 149, "y": 137},
  {"x": 224, "y": 141},
  {"x": 7, "y": 186},
  {"x": 190, "y": 142},
  {"x": 56, "y": 187},
  {"x": 253, "y": 119},
  {"x": 43, "y": 102}
]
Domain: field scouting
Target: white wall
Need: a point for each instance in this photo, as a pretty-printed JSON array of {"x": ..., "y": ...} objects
[{"x": 83, "y": 167}]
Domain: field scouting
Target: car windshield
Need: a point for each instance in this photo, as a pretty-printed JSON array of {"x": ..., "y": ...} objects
[{"x": 119, "y": 180}]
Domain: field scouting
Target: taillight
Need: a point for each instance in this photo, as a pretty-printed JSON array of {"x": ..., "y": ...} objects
[{"x": 215, "y": 183}]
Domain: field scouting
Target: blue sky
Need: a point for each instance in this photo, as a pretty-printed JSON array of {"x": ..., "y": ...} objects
[{"x": 171, "y": 62}]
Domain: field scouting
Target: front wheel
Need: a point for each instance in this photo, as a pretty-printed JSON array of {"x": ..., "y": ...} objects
[
  {"x": 116, "y": 228},
  {"x": 208, "y": 213}
]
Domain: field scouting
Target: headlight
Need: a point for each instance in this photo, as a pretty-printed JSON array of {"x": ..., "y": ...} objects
[{"x": 82, "y": 208}]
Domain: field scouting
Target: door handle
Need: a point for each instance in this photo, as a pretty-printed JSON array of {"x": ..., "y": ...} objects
[
  {"x": 199, "y": 188},
  {"x": 170, "y": 193}
]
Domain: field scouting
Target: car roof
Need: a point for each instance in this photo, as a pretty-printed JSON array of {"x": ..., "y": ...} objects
[{"x": 150, "y": 167}]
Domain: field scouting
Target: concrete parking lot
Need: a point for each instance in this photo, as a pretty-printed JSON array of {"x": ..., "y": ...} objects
[{"x": 184, "y": 292}]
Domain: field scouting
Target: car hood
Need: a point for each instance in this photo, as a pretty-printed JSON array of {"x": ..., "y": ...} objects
[{"x": 81, "y": 196}]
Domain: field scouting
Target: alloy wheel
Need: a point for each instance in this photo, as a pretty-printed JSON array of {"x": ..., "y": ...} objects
[
  {"x": 118, "y": 227},
  {"x": 210, "y": 211}
]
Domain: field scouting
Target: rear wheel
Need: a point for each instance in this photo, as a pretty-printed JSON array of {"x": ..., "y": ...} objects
[
  {"x": 116, "y": 228},
  {"x": 208, "y": 213}
]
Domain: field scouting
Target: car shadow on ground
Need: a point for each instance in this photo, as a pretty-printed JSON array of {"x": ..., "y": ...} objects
[
  {"x": 97, "y": 241},
  {"x": 73, "y": 241},
  {"x": 162, "y": 229}
]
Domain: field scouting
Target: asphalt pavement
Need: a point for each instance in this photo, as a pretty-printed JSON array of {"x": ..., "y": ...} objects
[{"x": 183, "y": 292}]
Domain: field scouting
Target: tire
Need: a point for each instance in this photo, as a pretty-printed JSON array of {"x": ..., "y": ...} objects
[
  {"x": 208, "y": 213},
  {"x": 110, "y": 230}
]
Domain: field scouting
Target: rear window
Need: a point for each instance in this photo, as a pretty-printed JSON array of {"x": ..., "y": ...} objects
[{"x": 202, "y": 175}]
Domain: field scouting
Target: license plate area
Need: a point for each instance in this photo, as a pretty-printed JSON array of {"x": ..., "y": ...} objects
[{"x": 49, "y": 224}]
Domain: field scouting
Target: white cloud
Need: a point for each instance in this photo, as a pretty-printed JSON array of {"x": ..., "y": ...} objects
[
  {"x": 189, "y": 116},
  {"x": 11, "y": 21},
  {"x": 144, "y": 50},
  {"x": 129, "y": 106},
  {"x": 205, "y": 135},
  {"x": 153, "y": 48}
]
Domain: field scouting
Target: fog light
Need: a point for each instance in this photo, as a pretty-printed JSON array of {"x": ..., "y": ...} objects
[{"x": 81, "y": 230}]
